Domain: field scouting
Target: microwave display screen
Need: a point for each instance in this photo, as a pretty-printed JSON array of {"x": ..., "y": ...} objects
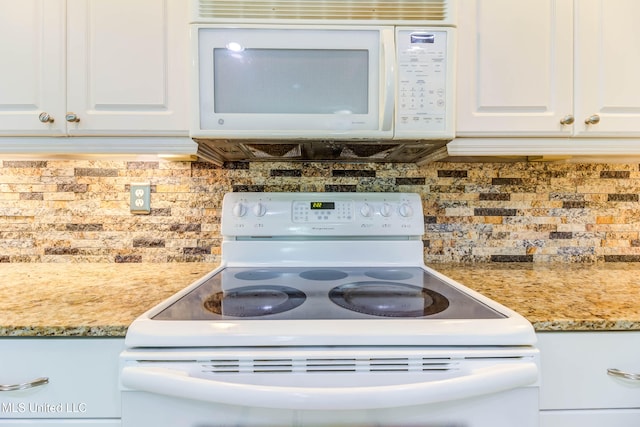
[
  {"x": 423, "y": 38},
  {"x": 291, "y": 81}
]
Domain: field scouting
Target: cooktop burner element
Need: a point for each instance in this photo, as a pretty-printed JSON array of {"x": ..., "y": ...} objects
[
  {"x": 254, "y": 301},
  {"x": 383, "y": 274},
  {"x": 323, "y": 274},
  {"x": 257, "y": 275},
  {"x": 388, "y": 299}
]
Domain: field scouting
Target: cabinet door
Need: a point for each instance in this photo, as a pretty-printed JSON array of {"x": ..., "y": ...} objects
[
  {"x": 127, "y": 67},
  {"x": 591, "y": 418},
  {"x": 82, "y": 377},
  {"x": 514, "y": 67},
  {"x": 607, "y": 67},
  {"x": 32, "y": 67},
  {"x": 574, "y": 368},
  {"x": 61, "y": 423}
]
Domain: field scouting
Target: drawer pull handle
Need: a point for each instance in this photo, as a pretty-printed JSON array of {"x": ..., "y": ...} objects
[
  {"x": 24, "y": 386},
  {"x": 621, "y": 374}
]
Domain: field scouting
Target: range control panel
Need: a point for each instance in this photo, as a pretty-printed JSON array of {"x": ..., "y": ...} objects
[{"x": 322, "y": 214}]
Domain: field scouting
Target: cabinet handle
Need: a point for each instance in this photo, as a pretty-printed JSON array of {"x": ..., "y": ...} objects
[
  {"x": 24, "y": 386},
  {"x": 72, "y": 117},
  {"x": 593, "y": 120},
  {"x": 567, "y": 120},
  {"x": 621, "y": 374},
  {"x": 45, "y": 118}
]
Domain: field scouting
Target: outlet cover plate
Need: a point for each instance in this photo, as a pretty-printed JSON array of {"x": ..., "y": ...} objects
[{"x": 140, "y": 198}]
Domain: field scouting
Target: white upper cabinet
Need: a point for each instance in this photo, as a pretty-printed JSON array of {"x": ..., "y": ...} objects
[
  {"x": 93, "y": 67},
  {"x": 541, "y": 68},
  {"x": 32, "y": 67},
  {"x": 607, "y": 71},
  {"x": 515, "y": 63}
]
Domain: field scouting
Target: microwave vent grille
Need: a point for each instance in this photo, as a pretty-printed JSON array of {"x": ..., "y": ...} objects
[
  {"x": 221, "y": 151},
  {"x": 352, "y": 10}
]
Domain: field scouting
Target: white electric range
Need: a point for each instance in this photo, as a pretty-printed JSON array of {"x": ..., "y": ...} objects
[{"x": 322, "y": 312}]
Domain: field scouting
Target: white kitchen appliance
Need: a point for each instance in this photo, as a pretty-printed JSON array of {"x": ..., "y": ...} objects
[
  {"x": 322, "y": 312},
  {"x": 322, "y": 80}
]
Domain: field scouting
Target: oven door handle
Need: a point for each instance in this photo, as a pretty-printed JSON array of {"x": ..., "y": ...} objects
[{"x": 478, "y": 382}]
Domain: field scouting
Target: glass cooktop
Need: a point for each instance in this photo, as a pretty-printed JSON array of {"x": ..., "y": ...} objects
[{"x": 325, "y": 293}]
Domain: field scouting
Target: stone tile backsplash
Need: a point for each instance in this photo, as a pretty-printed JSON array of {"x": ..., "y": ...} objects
[{"x": 78, "y": 210}]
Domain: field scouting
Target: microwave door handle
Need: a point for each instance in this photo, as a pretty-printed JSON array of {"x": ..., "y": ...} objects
[
  {"x": 388, "y": 79},
  {"x": 478, "y": 382}
]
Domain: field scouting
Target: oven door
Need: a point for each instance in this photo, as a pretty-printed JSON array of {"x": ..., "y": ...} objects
[{"x": 320, "y": 388}]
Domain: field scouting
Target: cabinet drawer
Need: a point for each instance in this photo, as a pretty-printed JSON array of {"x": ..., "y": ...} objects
[
  {"x": 585, "y": 418},
  {"x": 60, "y": 423},
  {"x": 82, "y": 378},
  {"x": 574, "y": 370}
]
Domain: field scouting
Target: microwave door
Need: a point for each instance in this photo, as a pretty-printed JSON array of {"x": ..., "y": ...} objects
[{"x": 305, "y": 82}]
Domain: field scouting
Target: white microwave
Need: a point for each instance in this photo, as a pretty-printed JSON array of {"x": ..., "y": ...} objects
[{"x": 322, "y": 82}]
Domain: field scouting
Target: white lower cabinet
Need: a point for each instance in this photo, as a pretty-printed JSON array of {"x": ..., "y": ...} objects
[
  {"x": 576, "y": 389},
  {"x": 61, "y": 423},
  {"x": 591, "y": 418},
  {"x": 81, "y": 388}
]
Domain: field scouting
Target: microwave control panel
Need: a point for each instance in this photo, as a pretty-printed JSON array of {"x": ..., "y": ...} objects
[{"x": 423, "y": 97}]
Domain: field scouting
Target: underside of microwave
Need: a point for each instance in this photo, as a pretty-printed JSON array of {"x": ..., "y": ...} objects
[
  {"x": 395, "y": 12},
  {"x": 221, "y": 150}
]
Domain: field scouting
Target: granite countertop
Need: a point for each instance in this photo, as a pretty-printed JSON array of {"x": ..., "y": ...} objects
[
  {"x": 98, "y": 300},
  {"x": 93, "y": 300},
  {"x": 560, "y": 297}
]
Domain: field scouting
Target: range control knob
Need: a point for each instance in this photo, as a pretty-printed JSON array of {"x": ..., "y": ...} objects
[
  {"x": 239, "y": 210},
  {"x": 366, "y": 210},
  {"x": 386, "y": 210},
  {"x": 406, "y": 210},
  {"x": 259, "y": 209}
]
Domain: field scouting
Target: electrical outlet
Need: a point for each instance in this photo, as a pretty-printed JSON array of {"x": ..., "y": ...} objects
[{"x": 140, "y": 199}]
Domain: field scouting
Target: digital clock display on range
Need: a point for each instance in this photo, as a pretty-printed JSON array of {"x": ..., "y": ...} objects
[{"x": 323, "y": 205}]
